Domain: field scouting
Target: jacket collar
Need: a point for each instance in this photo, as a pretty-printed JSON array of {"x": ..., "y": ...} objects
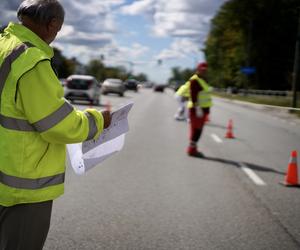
[{"x": 26, "y": 35}]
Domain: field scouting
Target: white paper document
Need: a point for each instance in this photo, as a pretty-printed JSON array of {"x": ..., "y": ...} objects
[{"x": 86, "y": 155}]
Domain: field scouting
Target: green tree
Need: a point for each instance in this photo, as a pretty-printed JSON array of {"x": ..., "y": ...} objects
[
  {"x": 257, "y": 33},
  {"x": 63, "y": 66},
  {"x": 96, "y": 68},
  {"x": 180, "y": 75},
  {"x": 119, "y": 72},
  {"x": 141, "y": 77}
]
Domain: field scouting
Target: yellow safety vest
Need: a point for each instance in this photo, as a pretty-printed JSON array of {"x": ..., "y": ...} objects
[
  {"x": 36, "y": 122},
  {"x": 204, "y": 96},
  {"x": 183, "y": 90}
]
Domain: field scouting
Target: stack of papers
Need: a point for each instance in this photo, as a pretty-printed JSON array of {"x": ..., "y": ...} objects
[{"x": 86, "y": 155}]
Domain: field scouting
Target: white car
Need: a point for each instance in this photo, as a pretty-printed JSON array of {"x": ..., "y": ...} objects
[
  {"x": 82, "y": 87},
  {"x": 112, "y": 85}
]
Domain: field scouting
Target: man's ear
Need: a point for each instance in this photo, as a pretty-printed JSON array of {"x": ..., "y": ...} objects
[{"x": 54, "y": 25}]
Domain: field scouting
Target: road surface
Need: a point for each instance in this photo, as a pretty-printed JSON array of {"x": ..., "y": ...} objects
[{"x": 151, "y": 195}]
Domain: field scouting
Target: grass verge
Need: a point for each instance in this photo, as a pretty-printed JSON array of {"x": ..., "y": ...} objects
[{"x": 281, "y": 101}]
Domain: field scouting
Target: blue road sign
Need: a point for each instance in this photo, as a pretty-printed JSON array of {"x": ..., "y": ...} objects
[{"x": 248, "y": 70}]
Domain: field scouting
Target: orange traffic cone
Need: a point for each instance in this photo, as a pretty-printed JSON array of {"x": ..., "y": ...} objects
[
  {"x": 229, "y": 133},
  {"x": 291, "y": 178}
]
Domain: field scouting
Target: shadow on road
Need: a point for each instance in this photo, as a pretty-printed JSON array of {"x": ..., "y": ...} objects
[
  {"x": 264, "y": 169},
  {"x": 209, "y": 124},
  {"x": 249, "y": 165}
]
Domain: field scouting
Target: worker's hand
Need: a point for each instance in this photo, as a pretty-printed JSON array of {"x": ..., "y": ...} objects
[
  {"x": 107, "y": 118},
  {"x": 198, "y": 111}
]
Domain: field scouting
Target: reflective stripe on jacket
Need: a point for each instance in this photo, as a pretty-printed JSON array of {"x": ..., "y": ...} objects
[
  {"x": 36, "y": 122},
  {"x": 204, "y": 96}
]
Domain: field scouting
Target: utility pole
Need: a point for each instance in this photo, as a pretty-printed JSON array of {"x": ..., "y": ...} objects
[{"x": 296, "y": 65}]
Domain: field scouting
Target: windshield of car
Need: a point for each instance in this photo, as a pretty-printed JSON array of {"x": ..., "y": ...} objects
[
  {"x": 79, "y": 84},
  {"x": 114, "y": 81},
  {"x": 131, "y": 82}
]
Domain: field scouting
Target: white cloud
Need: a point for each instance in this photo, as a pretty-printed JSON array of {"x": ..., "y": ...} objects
[
  {"x": 139, "y": 7},
  {"x": 178, "y": 49},
  {"x": 186, "y": 21},
  {"x": 8, "y": 11},
  {"x": 91, "y": 28},
  {"x": 172, "y": 16},
  {"x": 90, "y": 16},
  {"x": 124, "y": 55}
]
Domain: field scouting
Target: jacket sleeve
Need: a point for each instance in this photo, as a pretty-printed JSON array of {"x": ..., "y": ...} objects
[{"x": 40, "y": 97}]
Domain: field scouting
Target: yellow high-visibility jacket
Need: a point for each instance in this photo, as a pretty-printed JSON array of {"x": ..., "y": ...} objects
[
  {"x": 204, "y": 96},
  {"x": 184, "y": 90},
  {"x": 36, "y": 122}
]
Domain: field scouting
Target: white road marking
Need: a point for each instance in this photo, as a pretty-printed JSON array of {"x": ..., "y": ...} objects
[
  {"x": 216, "y": 138},
  {"x": 252, "y": 175}
]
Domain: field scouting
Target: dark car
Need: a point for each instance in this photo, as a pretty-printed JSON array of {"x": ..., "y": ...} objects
[
  {"x": 159, "y": 87},
  {"x": 131, "y": 84}
]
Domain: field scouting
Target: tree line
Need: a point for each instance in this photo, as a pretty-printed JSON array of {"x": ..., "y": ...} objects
[{"x": 95, "y": 67}]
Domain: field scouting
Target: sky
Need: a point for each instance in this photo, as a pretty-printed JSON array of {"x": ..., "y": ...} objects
[{"x": 133, "y": 34}]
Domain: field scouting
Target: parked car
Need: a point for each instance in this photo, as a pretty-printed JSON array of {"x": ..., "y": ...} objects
[
  {"x": 82, "y": 87},
  {"x": 147, "y": 84},
  {"x": 131, "y": 84},
  {"x": 113, "y": 85}
]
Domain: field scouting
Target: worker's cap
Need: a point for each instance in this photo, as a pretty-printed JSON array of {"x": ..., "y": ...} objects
[{"x": 202, "y": 66}]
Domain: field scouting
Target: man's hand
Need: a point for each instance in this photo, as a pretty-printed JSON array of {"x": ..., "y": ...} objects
[
  {"x": 107, "y": 118},
  {"x": 198, "y": 111}
]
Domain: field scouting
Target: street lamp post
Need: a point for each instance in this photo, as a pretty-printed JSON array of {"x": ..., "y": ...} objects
[{"x": 131, "y": 64}]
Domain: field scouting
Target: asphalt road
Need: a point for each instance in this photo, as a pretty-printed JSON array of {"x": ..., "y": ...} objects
[{"x": 151, "y": 195}]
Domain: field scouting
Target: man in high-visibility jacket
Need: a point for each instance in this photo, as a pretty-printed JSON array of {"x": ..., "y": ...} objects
[
  {"x": 182, "y": 95},
  {"x": 36, "y": 123},
  {"x": 199, "y": 104}
]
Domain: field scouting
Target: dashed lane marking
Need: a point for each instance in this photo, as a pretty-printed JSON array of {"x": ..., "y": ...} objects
[
  {"x": 216, "y": 138},
  {"x": 252, "y": 175}
]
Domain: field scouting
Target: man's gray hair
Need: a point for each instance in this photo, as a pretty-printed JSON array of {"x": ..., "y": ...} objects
[{"x": 41, "y": 11}]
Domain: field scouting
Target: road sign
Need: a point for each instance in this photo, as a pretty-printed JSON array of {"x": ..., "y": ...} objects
[{"x": 248, "y": 70}]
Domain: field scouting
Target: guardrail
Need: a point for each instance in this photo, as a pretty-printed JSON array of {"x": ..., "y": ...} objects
[{"x": 254, "y": 92}]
